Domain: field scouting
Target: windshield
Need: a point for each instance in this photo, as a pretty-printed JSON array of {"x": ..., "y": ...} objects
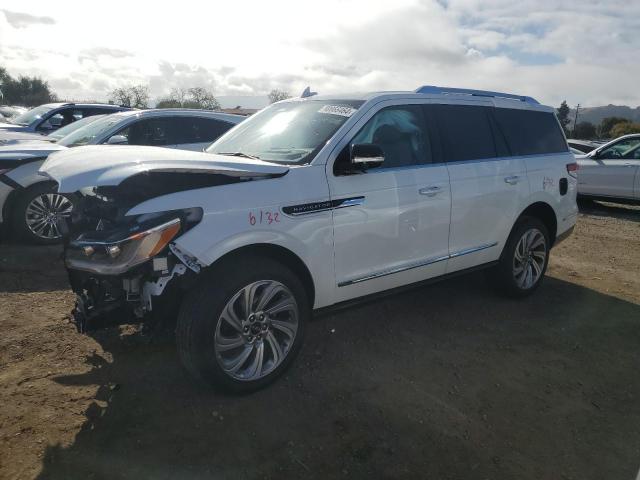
[
  {"x": 290, "y": 132},
  {"x": 27, "y": 118},
  {"x": 72, "y": 127},
  {"x": 87, "y": 134}
]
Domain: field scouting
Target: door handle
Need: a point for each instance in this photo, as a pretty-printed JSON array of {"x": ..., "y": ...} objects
[
  {"x": 512, "y": 180},
  {"x": 430, "y": 191}
]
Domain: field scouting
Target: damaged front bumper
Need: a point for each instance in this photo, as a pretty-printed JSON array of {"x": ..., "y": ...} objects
[{"x": 121, "y": 267}]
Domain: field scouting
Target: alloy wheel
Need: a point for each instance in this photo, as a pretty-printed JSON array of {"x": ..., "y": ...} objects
[
  {"x": 529, "y": 258},
  {"x": 256, "y": 330},
  {"x": 44, "y": 211}
]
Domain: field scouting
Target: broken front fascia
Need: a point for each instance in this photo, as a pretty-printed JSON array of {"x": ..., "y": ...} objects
[{"x": 124, "y": 266}]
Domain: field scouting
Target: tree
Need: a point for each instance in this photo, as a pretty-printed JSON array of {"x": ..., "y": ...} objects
[
  {"x": 134, "y": 96},
  {"x": 624, "y": 128},
  {"x": 584, "y": 131},
  {"x": 197, "y": 97},
  {"x": 276, "y": 95},
  {"x": 563, "y": 115},
  {"x": 27, "y": 91},
  {"x": 202, "y": 98},
  {"x": 604, "y": 130}
]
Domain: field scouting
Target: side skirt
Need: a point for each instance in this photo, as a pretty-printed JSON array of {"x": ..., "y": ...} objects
[{"x": 319, "y": 312}]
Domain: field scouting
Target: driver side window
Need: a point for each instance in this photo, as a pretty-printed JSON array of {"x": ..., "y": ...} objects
[
  {"x": 623, "y": 149},
  {"x": 401, "y": 133}
]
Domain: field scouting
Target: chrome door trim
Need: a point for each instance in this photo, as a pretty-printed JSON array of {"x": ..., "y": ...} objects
[{"x": 421, "y": 263}]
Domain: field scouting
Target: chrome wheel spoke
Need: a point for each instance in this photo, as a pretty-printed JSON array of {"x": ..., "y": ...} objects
[
  {"x": 267, "y": 294},
  {"x": 254, "y": 370},
  {"x": 276, "y": 351},
  {"x": 224, "y": 344},
  {"x": 284, "y": 327},
  {"x": 281, "y": 306},
  {"x": 230, "y": 316},
  {"x": 234, "y": 364}
]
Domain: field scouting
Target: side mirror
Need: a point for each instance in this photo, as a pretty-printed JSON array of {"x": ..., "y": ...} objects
[
  {"x": 118, "y": 140},
  {"x": 366, "y": 155}
]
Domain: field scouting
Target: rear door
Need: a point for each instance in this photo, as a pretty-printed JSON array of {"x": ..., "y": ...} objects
[
  {"x": 488, "y": 186},
  {"x": 611, "y": 172}
]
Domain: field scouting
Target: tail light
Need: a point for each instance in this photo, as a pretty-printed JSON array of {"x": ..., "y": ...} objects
[{"x": 572, "y": 169}]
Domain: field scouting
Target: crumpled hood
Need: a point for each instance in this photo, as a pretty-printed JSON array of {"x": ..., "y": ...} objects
[
  {"x": 27, "y": 150},
  {"x": 97, "y": 166}
]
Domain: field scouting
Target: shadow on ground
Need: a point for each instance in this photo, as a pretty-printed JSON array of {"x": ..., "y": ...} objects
[
  {"x": 445, "y": 381},
  {"x": 608, "y": 209}
]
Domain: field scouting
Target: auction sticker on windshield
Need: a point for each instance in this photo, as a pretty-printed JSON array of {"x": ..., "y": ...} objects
[{"x": 342, "y": 110}]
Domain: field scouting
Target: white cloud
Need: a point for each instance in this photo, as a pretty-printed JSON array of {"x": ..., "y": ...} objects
[{"x": 583, "y": 51}]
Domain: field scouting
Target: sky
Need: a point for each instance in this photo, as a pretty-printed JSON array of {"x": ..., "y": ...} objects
[{"x": 583, "y": 51}]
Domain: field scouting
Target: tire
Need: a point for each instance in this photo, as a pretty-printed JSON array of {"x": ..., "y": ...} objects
[
  {"x": 33, "y": 214},
  {"x": 507, "y": 275},
  {"x": 210, "y": 348}
]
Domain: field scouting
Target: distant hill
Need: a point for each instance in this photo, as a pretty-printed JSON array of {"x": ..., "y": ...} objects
[{"x": 596, "y": 114}]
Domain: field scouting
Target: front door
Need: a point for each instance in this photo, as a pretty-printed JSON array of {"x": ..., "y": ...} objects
[
  {"x": 391, "y": 223},
  {"x": 611, "y": 172}
]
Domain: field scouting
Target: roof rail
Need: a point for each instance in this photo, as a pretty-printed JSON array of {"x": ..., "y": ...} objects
[{"x": 476, "y": 93}]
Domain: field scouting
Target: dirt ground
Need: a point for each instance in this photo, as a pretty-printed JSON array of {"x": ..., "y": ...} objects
[{"x": 449, "y": 381}]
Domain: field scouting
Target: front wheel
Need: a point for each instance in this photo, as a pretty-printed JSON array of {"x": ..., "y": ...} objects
[
  {"x": 36, "y": 214},
  {"x": 524, "y": 259},
  {"x": 243, "y": 325}
]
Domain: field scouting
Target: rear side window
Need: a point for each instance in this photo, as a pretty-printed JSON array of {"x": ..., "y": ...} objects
[
  {"x": 201, "y": 130},
  {"x": 155, "y": 132},
  {"x": 530, "y": 133},
  {"x": 465, "y": 131}
]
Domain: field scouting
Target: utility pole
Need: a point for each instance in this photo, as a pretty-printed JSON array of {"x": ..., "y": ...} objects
[{"x": 575, "y": 120}]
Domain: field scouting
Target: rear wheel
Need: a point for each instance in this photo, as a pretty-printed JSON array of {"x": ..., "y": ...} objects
[
  {"x": 36, "y": 213},
  {"x": 243, "y": 325},
  {"x": 524, "y": 259}
]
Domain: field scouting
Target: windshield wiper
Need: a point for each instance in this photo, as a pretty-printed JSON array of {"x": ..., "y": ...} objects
[{"x": 240, "y": 154}]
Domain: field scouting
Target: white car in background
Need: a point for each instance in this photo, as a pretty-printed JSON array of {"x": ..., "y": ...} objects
[
  {"x": 10, "y": 111},
  {"x": 308, "y": 204},
  {"x": 612, "y": 171},
  {"x": 28, "y": 201}
]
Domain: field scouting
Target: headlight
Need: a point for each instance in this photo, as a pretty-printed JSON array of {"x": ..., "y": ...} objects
[{"x": 116, "y": 251}]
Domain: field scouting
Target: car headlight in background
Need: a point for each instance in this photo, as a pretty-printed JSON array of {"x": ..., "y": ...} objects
[{"x": 115, "y": 252}]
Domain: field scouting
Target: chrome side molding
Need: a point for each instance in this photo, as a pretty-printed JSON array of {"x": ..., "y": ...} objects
[{"x": 421, "y": 263}]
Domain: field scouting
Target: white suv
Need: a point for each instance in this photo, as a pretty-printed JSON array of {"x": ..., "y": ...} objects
[{"x": 309, "y": 204}]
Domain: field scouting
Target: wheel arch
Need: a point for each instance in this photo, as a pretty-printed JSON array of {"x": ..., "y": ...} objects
[
  {"x": 546, "y": 214},
  {"x": 277, "y": 252}
]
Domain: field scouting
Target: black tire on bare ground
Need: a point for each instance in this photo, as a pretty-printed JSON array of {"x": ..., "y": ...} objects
[
  {"x": 200, "y": 329},
  {"x": 521, "y": 268}
]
